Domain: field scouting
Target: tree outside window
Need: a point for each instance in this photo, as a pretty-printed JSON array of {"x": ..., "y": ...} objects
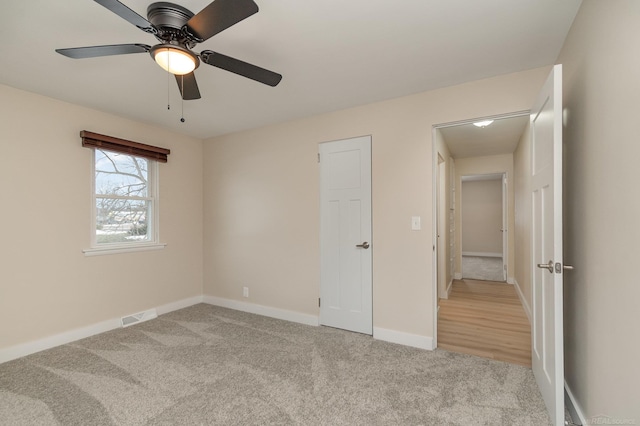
[{"x": 124, "y": 198}]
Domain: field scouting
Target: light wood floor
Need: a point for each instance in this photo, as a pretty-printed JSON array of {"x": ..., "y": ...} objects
[{"x": 486, "y": 319}]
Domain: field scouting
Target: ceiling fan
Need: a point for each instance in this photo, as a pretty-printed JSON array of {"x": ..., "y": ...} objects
[{"x": 179, "y": 31}]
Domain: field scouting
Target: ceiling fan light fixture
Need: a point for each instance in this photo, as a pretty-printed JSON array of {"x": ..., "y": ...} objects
[
  {"x": 175, "y": 59},
  {"x": 483, "y": 123}
]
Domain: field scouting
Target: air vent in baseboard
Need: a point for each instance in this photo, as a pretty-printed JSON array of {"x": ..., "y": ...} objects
[{"x": 139, "y": 317}]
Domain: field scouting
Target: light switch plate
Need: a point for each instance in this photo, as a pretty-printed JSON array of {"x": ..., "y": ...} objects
[{"x": 415, "y": 223}]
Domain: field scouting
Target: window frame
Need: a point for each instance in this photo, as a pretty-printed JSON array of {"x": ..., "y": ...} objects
[{"x": 153, "y": 222}]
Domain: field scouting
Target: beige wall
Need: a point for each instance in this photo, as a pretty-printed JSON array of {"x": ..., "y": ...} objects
[
  {"x": 47, "y": 285},
  {"x": 522, "y": 231},
  {"x": 262, "y": 212},
  {"x": 490, "y": 164},
  {"x": 481, "y": 216},
  {"x": 601, "y": 67}
]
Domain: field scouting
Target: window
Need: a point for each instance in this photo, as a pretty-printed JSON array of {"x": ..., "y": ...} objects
[
  {"x": 125, "y": 194},
  {"x": 125, "y": 210}
]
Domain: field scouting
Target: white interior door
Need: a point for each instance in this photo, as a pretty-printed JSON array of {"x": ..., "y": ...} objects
[
  {"x": 345, "y": 235},
  {"x": 546, "y": 168}
]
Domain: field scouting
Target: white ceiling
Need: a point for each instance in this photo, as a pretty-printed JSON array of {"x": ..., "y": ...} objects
[
  {"x": 500, "y": 137},
  {"x": 333, "y": 54}
]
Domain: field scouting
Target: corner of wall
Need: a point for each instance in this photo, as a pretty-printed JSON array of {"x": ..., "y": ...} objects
[{"x": 525, "y": 304}]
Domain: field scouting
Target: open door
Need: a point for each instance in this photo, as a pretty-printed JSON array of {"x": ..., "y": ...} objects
[{"x": 547, "y": 354}]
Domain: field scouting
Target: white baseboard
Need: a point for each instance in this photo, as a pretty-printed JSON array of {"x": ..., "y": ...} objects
[
  {"x": 481, "y": 254},
  {"x": 511, "y": 280},
  {"x": 457, "y": 276},
  {"x": 266, "y": 311},
  {"x": 574, "y": 408},
  {"x": 24, "y": 349},
  {"x": 525, "y": 304},
  {"x": 180, "y": 304},
  {"x": 407, "y": 339},
  {"x": 449, "y": 288},
  {"x": 401, "y": 338}
]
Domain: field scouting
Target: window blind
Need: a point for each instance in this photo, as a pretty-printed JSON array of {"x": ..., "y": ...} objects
[{"x": 95, "y": 140}]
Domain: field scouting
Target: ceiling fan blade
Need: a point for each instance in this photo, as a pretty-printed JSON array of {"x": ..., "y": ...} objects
[
  {"x": 128, "y": 15},
  {"x": 188, "y": 86},
  {"x": 218, "y": 16},
  {"x": 96, "y": 51},
  {"x": 242, "y": 68}
]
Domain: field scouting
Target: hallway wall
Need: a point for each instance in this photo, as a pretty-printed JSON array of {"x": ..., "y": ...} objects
[
  {"x": 481, "y": 212},
  {"x": 522, "y": 217}
]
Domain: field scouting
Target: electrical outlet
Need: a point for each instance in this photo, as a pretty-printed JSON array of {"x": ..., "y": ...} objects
[{"x": 245, "y": 291}]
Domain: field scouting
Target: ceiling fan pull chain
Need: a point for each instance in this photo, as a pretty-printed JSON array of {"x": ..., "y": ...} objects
[
  {"x": 168, "y": 84},
  {"x": 182, "y": 99}
]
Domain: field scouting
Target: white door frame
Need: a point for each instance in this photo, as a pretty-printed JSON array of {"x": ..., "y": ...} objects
[
  {"x": 435, "y": 201},
  {"x": 440, "y": 231},
  {"x": 505, "y": 227}
]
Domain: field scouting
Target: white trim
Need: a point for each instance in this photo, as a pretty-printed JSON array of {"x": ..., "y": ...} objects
[
  {"x": 457, "y": 276},
  {"x": 101, "y": 251},
  {"x": 266, "y": 311},
  {"x": 482, "y": 177},
  {"x": 573, "y": 406},
  {"x": 525, "y": 304},
  {"x": 435, "y": 171},
  {"x": 488, "y": 117},
  {"x": 180, "y": 304},
  {"x": 449, "y": 288},
  {"x": 24, "y": 349},
  {"x": 511, "y": 280},
  {"x": 406, "y": 339},
  {"x": 481, "y": 254}
]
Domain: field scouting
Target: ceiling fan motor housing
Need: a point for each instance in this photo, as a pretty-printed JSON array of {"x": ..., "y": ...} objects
[{"x": 170, "y": 20}]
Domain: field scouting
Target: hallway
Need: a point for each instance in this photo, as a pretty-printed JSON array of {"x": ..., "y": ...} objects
[{"x": 485, "y": 319}]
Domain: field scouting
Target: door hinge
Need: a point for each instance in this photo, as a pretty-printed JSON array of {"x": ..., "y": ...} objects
[
  {"x": 318, "y": 157},
  {"x": 318, "y": 302}
]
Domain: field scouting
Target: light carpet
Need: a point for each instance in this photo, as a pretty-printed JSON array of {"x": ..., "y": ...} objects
[
  {"x": 207, "y": 365},
  {"x": 482, "y": 268}
]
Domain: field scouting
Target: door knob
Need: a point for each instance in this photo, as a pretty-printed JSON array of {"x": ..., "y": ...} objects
[
  {"x": 548, "y": 266},
  {"x": 364, "y": 245}
]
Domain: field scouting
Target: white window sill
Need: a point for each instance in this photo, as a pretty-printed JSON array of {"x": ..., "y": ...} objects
[{"x": 101, "y": 251}]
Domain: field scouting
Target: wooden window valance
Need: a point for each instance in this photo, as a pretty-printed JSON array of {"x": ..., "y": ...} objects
[{"x": 95, "y": 140}]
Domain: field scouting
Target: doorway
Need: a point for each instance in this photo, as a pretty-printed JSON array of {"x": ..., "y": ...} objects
[
  {"x": 480, "y": 156},
  {"x": 484, "y": 226}
]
